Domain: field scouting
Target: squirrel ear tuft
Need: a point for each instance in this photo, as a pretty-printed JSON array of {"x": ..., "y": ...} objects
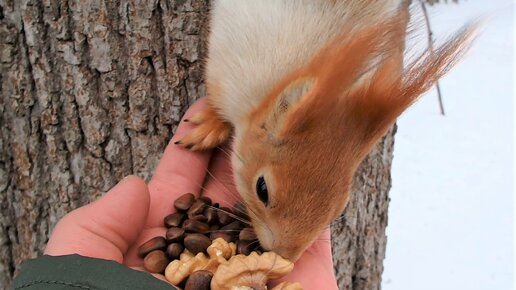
[{"x": 374, "y": 106}]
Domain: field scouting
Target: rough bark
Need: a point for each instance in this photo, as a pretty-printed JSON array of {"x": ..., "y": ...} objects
[
  {"x": 93, "y": 90},
  {"x": 358, "y": 237}
]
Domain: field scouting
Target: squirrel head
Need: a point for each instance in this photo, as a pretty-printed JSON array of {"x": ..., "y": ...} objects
[{"x": 295, "y": 158}]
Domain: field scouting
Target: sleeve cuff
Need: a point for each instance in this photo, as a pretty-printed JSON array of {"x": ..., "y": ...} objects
[{"x": 78, "y": 272}]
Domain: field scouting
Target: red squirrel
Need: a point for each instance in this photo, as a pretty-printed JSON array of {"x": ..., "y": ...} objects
[{"x": 305, "y": 89}]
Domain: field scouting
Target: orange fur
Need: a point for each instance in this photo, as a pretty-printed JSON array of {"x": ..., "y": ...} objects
[
  {"x": 210, "y": 132},
  {"x": 307, "y": 132},
  {"x": 309, "y": 153}
]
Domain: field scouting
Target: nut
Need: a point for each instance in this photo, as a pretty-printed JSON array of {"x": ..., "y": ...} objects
[
  {"x": 197, "y": 208},
  {"x": 156, "y": 243},
  {"x": 200, "y": 218},
  {"x": 244, "y": 247},
  {"x": 156, "y": 261},
  {"x": 178, "y": 270},
  {"x": 212, "y": 262},
  {"x": 251, "y": 271},
  {"x": 247, "y": 234},
  {"x": 184, "y": 202},
  {"x": 233, "y": 227},
  {"x": 219, "y": 247},
  {"x": 195, "y": 226},
  {"x": 205, "y": 199},
  {"x": 173, "y": 220},
  {"x": 186, "y": 255},
  {"x": 175, "y": 235},
  {"x": 211, "y": 215},
  {"x": 199, "y": 280},
  {"x": 197, "y": 243},
  {"x": 227, "y": 237},
  {"x": 219, "y": 251},
  {"x": 174, "y": 250},
  {"x": 224, "y": 215}
]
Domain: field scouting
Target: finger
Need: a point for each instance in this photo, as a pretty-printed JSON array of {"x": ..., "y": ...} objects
[
  {"x": 314, "y": 270},
  {"x": 179, "y": 171},
  {"x": 106, "y": 228},
  {"x": 220, "y": 185}
]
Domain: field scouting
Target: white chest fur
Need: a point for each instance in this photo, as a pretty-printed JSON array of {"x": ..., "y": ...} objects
[{"x": 254, "y": 43}]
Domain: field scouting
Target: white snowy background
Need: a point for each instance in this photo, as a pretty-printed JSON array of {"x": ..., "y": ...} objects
[{"x": 451, "y": 211}]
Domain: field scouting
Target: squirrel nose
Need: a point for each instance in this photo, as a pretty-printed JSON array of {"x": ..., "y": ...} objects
[
  {"x": 265, "y": 236},
  {"x": 288, "y": 252},
  {"x": 267, "y": 240}
]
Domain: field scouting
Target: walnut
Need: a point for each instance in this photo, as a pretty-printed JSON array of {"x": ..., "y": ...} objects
[
  {"x": 219, "y": 251},
  {"x": 186, "y": 255},
  {"x": 219, "y": 247},
  {"x": 251, "y": 272},
  {"x": 179, "y": 270}
]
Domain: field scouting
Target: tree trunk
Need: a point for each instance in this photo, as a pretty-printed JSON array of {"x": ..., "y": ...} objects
[
  {"x": 92, "y": 91},
  {"x": 358, "y": 237}
]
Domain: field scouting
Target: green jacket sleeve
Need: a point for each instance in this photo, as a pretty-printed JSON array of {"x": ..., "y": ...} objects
[{"x": 74, "y": 272}]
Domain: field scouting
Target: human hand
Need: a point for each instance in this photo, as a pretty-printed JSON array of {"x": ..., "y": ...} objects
[{"x": 131, "y": 213}]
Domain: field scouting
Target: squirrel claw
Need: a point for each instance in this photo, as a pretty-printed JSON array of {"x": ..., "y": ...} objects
[{"x": 210, "y": 132}]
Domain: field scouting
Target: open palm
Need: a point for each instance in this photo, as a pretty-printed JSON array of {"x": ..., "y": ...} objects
[{"x": 132, "y": 212}]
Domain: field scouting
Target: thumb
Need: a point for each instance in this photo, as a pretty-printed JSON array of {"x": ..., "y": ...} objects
[
  {"x": 106, "y": 228},
  {"x": 314, "y": 270}
]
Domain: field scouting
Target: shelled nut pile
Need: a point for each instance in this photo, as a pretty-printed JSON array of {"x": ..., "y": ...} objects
[{"x": 206, "y": 246}]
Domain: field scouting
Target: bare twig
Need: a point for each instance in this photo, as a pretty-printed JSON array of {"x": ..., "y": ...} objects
[{"x": 431, "y": 47}]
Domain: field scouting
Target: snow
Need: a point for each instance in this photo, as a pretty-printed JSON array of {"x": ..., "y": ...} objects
[{"x": 451, "y": 211}]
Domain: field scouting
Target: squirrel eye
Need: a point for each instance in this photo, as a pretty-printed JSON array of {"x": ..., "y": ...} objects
[{"x": 261, "y": 190}]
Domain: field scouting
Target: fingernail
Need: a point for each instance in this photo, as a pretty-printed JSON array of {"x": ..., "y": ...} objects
[
  {"x": 121, "y": 182},
  {"x": 129, "y": 177},
  {"x": 126, "y": 178}
]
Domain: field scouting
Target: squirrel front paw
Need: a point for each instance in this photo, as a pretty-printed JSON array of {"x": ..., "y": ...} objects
[{"x": 210, "y": 131}]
